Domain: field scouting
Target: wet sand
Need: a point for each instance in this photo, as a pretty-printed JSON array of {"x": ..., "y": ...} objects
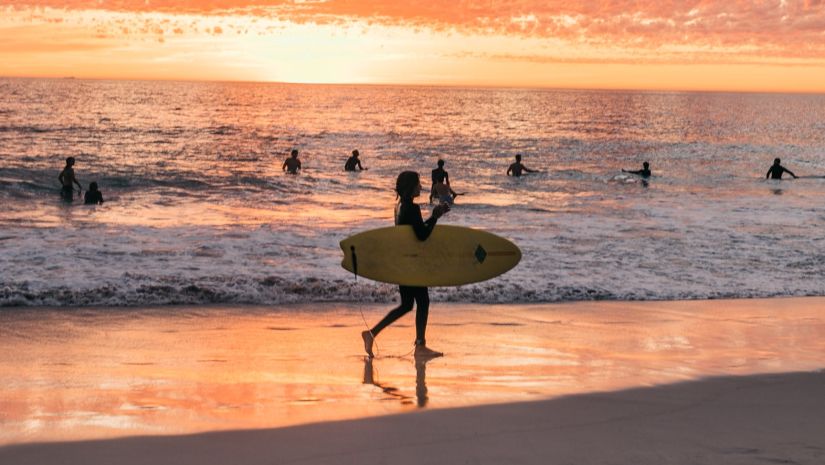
[
  {"x": 104, "y": 373},
  {"x": 732, "y": 420}
]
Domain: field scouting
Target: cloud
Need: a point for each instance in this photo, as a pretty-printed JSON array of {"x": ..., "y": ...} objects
[
  {"x": 794, "y": 28},
  {"x": 667, "y": 58}
]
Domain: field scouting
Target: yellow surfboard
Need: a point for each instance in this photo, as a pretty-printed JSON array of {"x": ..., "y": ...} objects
[{"x": 451, "y": 256}]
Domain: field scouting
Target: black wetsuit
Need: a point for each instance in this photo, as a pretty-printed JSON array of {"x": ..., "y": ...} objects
[
  {"x": 410, "y": 213},
  {"x": 93, "y": 197},
  {"x": 440, "y": 175},
  {"x": 351, "y": 163},
  {"x": 776, "y": 172}
]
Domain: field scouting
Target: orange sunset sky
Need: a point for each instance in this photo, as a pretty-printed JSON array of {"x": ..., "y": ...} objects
[{"x": 646, "y": 44}]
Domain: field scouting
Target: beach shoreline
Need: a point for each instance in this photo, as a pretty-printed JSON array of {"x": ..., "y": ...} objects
[{"x": 103, "y": 373}]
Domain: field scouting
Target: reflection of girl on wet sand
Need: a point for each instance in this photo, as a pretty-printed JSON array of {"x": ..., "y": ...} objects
[{"x": 420, "y": 383}]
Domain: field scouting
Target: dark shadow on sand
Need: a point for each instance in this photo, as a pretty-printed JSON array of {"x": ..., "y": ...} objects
[{"x": 747, "y": 419}]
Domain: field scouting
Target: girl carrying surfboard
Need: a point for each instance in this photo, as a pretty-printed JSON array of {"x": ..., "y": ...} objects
[{"x": 407, "y": 212}]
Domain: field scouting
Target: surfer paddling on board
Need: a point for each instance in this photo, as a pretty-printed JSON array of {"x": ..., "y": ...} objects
[
  {"x": 516, "y": 169},
  {"x": 292, "y": 164},
  {"x": 644, "y": 172},
  {"x": 407, "y": 187},
  {"x": 67, "y": 180},
  {"x": 776, "y": 170}
]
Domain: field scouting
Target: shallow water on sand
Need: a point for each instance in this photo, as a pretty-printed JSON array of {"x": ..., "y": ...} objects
[
  {"x": 95, "y": 373},
  {"x": 198, "y": 210}
]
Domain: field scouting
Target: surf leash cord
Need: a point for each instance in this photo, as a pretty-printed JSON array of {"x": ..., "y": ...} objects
[{"x": 360, "y": 303}]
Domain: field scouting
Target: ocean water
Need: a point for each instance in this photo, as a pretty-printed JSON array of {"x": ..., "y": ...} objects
[{"x": 199, "y": 211}]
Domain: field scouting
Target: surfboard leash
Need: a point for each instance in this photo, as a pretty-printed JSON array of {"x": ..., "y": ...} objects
[
  {"x": 354, "y": 262},
  {"x": 364, "y": 319},
  {"x": 361, "y": 303}
]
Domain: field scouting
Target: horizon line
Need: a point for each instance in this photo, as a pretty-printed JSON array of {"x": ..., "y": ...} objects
[{"x": 426, "y": 85}]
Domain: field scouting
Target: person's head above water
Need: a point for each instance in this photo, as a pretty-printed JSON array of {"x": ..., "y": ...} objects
[
  {"x": 518, "y": 157},
  {"x": 776, "y": 161},
  {"x": 70, "y": 161},
  {"x": 646, "y": 165},
  {"x": 355, "y": 153},
  {"x": 441, "y": 163},
  {"x": 294, "y": 153},
  {"x": 92, "y": 186},
  {"x": 408, "y": 185}
]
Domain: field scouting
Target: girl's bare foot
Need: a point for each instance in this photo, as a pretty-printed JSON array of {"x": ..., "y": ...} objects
[
  {"x": 423, "y": 352},
  {"x": 368, "y": 340}
]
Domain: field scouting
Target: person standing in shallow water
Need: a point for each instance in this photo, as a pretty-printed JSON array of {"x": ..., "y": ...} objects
[
  {"x": 93, "y": 195},
  {"x": 67, "y": 181},
  {"x": 292, "y": 164},
  {"x": 353, "y": 162},
  {"x": 407, "y": 187},
  {"x": 516, "y": 169},
  {"x": 439, "y": 176},
  {"x": 776, "y": 170}
]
